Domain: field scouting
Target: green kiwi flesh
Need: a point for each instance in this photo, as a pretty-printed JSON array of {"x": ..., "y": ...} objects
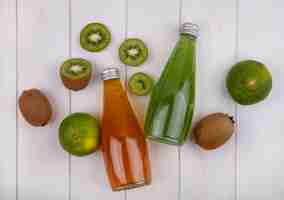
[
  {"x": 76, "y": 73},
  {"x": 95, "y": 37},
  {"x": 140, "y": 84},
  {"x": 133, "y": 52}
]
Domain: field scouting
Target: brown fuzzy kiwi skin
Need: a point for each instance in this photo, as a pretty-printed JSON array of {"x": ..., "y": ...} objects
[
  {"x": 75, "y": 84},
  {"x": 213, "y": 131},
  {"x": 35, "y": 107}
]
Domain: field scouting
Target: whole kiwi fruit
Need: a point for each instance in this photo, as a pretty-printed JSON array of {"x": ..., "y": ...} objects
[
  {"x": 35, "y": 107},
  {"x": 213, "y": 131}
]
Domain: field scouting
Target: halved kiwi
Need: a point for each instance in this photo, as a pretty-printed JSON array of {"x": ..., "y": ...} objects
[
  {"x": 76, "y": 73},
  {"x": 140, "y": 84},
  {"x": 133, "y": 52},
  {"x": 95, "y": 37}
]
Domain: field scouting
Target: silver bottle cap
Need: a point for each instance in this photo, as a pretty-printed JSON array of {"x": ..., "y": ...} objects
[
  {"x": 110, "y": 73},
  {"x": 190, "y": 28}
]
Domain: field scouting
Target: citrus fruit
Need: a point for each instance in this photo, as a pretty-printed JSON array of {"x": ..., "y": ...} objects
[
  {"x": 140, "y": 84},
  {"x": 249, "y": 82},
  {"x": 79, "y": 134}
]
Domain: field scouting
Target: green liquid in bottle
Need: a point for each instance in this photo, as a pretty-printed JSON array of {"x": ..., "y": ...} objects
[{"x": 171, "y": 106}]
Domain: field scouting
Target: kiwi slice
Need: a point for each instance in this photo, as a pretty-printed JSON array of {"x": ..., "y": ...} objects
[
  {"x": 140, "y": 84},
  {"x": 95, "y": 37},
  {"x": 76, "y": 73},
  {"x": 133, "y": 52}
]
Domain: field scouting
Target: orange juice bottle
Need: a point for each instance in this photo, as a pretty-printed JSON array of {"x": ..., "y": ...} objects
[{"x": 123, "y": 144}]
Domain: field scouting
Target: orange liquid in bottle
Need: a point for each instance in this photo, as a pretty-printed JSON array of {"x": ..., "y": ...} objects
[{"x": 123, "y": 143}]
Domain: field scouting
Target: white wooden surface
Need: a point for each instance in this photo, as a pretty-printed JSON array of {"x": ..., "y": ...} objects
[
  {"x": 8, "y": 155},
  {"x": 85, "y": 170},
  {"x": 211, "y": 175},
  {"x": 261, "y": 129},
  {"x": 37, "y": 36},
  {"x": 42, "y": 45}
]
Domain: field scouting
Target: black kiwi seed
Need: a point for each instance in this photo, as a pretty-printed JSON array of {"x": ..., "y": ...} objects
[
  {"x": 133, "y": 52},
  {"x": 213, "y": 131},
  {"x": 76, "y": 73},
  {"x": 95, "y": 37}
]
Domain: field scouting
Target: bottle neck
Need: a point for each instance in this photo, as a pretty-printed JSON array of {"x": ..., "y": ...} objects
[
  {"x": 110, "y": 73},
  {"x": 188, "y": 36},
  {"x": 190, "y": 29},
  {"x": 186, "y": 46},
  {"x": 187, "y": 39}
]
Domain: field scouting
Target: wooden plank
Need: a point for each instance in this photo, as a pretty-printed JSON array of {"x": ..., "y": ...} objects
[
  {"x": 8, "y": 100},
  {"x": 211, "y": 175},
  {"x": 261, "y": 140},
  {"x": 43, "y": 45},
  {"x": 89, "y": 180},
  {"x": 158, "y": 27}
]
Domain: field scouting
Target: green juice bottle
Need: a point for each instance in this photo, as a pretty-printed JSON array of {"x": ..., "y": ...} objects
[{"x": 171, "y": 106}]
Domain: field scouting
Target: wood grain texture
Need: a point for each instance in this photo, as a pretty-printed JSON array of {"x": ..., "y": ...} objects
[
  {"x": 261, "y": 128},
  {"x": 48, "y": 33},
  {"x": 210, "y": 174},
  {"x": 8, "y": 100},
  {"x": 158, "y": 27},
  {"x": 42, "y": 37},
  {"x": 88, "y": 176}
]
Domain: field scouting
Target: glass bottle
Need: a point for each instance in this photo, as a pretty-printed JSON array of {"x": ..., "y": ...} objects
[
  {"x": 123, "y": 142},
  {"x": 171, "y": 106}
]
